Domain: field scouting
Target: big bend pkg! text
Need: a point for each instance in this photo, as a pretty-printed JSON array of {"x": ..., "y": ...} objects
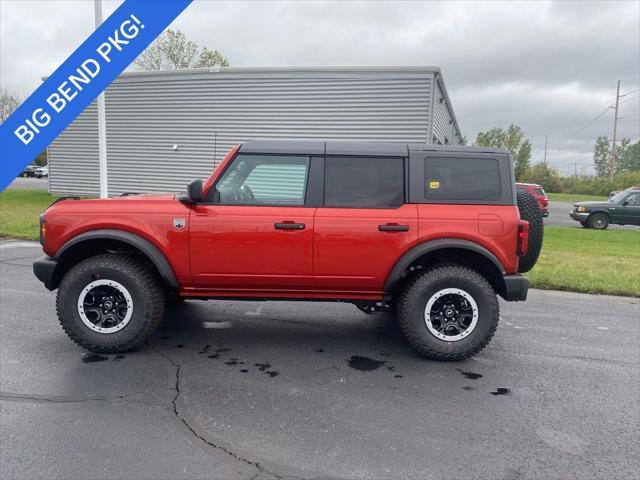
[{"x": 69, "y": 89}]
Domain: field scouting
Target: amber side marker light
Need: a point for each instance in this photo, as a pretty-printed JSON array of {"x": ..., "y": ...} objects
[{"x": 43, "y": 229}]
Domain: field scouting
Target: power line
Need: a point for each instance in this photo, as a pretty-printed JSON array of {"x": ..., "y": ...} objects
[
  {"x": 630, "y": 99},
  {"x": 593, "y": 120},
  {"x": 632, "y": 91}
]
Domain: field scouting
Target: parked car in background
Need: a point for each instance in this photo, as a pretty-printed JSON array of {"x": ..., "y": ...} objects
[
  {"x": 30, "y": 171},
  {"x": 621, "y": 209},
  {"x": 42, "y": 172},
  {"x": 537, "y": 192}
]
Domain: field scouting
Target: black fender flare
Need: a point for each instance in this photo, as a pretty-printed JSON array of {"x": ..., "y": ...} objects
[
  {"x": 416, "y": 252},
  {"x": 145, "y": 246}
]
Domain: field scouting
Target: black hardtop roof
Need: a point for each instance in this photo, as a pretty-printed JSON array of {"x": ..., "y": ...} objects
[{"x": 331, "y": 147}]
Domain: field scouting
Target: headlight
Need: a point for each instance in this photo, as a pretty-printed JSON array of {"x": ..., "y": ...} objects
[{"x": 581, "y": 209}]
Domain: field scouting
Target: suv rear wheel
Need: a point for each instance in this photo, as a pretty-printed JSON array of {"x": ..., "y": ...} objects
[
  {"x": 110, "y": 303},
  {"x": 448, "y": 313}
]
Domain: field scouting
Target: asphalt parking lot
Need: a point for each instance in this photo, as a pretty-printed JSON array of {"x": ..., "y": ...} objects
[
  {"x": 241, "y": 390},
  {"x": 31, "y": 183}
]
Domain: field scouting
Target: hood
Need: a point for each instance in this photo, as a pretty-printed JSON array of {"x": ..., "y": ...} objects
[
  {"x": 592, "y": 203},
  {"x": 146, "y": 196}
]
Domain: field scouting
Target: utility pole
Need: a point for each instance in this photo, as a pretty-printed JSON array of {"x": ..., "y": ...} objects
[
  {"x": 546, "y": 137},
  {"x": 575, "y": 169},
  {"x": 615, "y": 132},
  {"x": 102, "y": 120}
]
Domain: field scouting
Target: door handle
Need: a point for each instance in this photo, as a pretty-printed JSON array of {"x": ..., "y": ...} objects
[
  {"x": 393, "y": 227},
  {"x": 289, "y": 226}
]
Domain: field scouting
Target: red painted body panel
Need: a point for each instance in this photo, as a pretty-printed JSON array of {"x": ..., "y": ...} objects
[
  {"x": 149, "y": 216},
  {"x": 470, "y": 222},
  {"x": 206, "y": 187},
  {"x": 350, "y": 253},
  {"x": 237, "y": 247}
]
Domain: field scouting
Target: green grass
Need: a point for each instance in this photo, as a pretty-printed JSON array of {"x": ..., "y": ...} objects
[
  {"x": 573, "y": 197},
  {"x": 590, "y": 261},
  {"x": 19, "y": 212}
]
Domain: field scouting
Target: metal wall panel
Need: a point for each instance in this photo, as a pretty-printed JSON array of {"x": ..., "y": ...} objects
[
  {"x": 73, "y": 157},
  {"x": 205, "y": 112},
  {"x": 444, "y": 128}
]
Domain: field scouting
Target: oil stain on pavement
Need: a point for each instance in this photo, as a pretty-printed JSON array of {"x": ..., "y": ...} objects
[{"x": 364, "y": 364}]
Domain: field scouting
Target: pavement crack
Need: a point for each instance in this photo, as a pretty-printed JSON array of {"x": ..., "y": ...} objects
[
  {"x": 176, "y": 411},
  {"x": 37, "y": 398}
]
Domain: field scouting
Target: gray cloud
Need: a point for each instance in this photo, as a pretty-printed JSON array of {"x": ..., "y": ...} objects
[{"x": 550, "y": 67}]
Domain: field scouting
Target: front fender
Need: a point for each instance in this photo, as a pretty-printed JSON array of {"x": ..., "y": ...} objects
[{"x": 145, "y": 246}]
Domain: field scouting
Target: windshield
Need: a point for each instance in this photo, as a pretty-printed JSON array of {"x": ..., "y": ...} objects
[{"x": 619, "y": 197}]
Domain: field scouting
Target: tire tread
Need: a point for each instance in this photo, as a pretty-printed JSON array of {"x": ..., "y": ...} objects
[
  {"x": 147, "y": 281},
  {"x": 422, "y": 281}
]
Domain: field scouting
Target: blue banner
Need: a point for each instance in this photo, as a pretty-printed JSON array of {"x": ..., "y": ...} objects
[{"x": 80, "y": 79}]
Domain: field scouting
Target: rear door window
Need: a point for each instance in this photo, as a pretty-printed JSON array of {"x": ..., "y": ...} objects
[
  {"x": 364, "y": 182},
  {"x": 460, "y": 179}
]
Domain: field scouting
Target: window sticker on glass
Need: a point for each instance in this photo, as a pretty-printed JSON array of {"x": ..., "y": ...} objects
[{"x": 434, "y": 184}]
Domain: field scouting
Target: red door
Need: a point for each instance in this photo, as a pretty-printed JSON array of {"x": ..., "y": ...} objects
[
  {"x": 257, "y": 235},
  {"x": 244, "y": 247},
  {"x": 364, "y": 226},
  {"x": 355, "y": 249}
]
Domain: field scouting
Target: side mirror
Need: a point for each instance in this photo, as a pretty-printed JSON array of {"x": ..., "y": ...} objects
[
  {"x": 194, "y": 191},
  {"x": 625, "y": 203}
]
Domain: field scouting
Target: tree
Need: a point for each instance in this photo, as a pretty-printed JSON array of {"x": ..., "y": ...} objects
[
  {"x": 629, "y": 160},
  {"x": 179, "y": 52},
  {"x": 172, "y": 51},
  {"x": 544, "y": 175},
  {"x": 211, "y": 58},
  {"x": 602, "y": 156},
  {"x": 8, "y": 104},
  {"x": 511, "y": 139},
  {"x": 152, "y": 57}
]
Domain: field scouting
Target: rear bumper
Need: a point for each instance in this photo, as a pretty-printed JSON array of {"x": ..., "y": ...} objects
[
  {"x": 44, "y": 269},
  {"x": 516, "y": 287}
]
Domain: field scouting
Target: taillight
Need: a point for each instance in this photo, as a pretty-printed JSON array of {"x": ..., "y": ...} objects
[
  {"x": 43, "y": 229},
  {"x": 523, "y": 237}
]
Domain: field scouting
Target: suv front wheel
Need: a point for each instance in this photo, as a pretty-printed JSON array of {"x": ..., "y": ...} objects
[
  {"x": 448, "y": 313},
  {"x": 110, "y": 303},
  {"x": 599, "y": 221}
]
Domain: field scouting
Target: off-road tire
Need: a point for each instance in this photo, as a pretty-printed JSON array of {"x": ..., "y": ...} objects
[
  {"x": 411, "y": 312},
  {"x": 598, "y": 221},
  {"x": 530, "y": 211},
  {"x": 141, "y": 282}
]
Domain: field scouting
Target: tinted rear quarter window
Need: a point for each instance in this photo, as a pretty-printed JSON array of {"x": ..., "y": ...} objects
[
  {"x": 364, "y": 182},
  {"x": 473, "y": 179}
]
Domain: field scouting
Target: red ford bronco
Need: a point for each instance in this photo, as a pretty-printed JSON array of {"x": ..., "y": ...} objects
[{"x": 431, "y": 232}]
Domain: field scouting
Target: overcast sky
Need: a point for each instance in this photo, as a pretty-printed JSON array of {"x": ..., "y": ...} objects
[{"x": 550, "y": 67}]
